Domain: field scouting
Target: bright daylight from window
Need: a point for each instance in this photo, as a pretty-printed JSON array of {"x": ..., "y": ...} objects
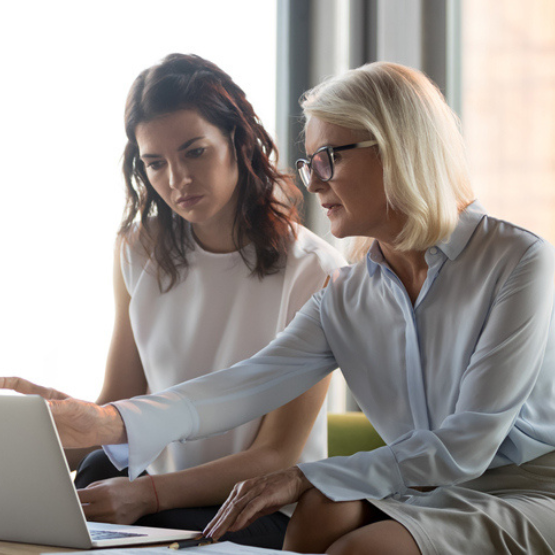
[{"x": 66, "y": 70}]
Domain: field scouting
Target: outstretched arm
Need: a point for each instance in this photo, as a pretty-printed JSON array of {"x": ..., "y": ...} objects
[
  {"x": 278, "y": 444},
  {"x": 295, "y": 361}
]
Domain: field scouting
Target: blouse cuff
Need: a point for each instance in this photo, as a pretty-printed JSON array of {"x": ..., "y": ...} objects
[
  {"x": 366, "y": 475},
  {"x": 151, "y": 422},
  {"x": 118, "y": 455}
]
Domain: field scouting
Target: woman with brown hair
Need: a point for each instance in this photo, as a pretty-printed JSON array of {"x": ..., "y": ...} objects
[{"x": 210, "y": 264}]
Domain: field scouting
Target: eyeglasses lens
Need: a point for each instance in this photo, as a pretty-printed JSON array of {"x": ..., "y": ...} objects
[{"x": 321, "y": 165}]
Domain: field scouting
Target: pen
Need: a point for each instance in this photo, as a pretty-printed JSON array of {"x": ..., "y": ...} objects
[{"x": 191, "y": 543}]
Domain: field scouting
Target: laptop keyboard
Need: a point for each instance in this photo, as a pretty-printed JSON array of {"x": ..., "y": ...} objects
[{"x": 108, "y": 535}]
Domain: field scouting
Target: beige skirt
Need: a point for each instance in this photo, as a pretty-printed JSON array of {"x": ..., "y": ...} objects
[{"x": 507, "y": 510}]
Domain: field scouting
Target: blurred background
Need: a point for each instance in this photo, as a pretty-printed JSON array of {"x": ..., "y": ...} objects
[{"x": 66, "y": 68}]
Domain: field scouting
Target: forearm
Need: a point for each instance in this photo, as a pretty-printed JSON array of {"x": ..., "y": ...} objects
[
  {"x": 211, "y": 483},
  {"x": 154, "y": 421}
]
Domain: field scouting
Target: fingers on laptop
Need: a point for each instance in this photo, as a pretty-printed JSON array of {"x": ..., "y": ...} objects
[{"x": 117, "y": 500}]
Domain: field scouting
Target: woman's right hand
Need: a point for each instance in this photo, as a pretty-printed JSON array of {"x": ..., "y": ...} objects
[
  {"x": 79, "y": 423},
  {"x": 118, "y": 500},
  {"x": 84, "y": 424}
]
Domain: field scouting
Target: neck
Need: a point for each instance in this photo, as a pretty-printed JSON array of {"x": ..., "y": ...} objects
[
  {"x": 219, "y": 240},
  {"x": 409, "y": 266}
]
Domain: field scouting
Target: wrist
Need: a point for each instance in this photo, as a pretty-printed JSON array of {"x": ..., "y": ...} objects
[
  {"x": 154, "y": 505},
  {"x": 144, "y": 496},
  {"x": 111, "y": 430},
  {"x": 303, "y": 483}
]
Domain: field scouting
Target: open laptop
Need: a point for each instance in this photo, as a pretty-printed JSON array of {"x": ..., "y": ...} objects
[{"x": 38, "y": 502}]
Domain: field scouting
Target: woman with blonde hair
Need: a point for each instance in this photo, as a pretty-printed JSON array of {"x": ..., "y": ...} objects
[{"x": 444, "y": 333}]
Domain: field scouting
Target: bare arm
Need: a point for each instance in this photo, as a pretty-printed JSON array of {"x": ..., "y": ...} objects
[{"x": 124, "y": 376}]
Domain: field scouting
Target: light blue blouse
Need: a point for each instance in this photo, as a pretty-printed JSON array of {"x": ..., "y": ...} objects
[{"x": 459, "y": 382}]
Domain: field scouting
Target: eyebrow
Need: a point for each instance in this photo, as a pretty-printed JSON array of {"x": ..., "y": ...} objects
[{"x": 184, "y": 146}]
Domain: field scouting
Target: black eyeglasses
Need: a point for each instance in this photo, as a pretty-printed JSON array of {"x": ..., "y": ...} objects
[{"x": 322, "y": 162}]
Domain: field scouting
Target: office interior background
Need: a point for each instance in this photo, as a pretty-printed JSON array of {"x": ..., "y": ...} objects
[{"x": 67, "y": 67}]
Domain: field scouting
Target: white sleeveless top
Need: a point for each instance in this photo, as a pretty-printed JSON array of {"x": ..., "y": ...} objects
[{"x": 217, "y": 316}]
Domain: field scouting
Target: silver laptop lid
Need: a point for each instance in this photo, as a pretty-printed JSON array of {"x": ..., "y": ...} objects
[{"x": 38, "y": 503}]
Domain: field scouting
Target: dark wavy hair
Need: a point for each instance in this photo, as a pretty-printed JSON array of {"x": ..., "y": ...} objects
[{"x": 267, "y": 199}]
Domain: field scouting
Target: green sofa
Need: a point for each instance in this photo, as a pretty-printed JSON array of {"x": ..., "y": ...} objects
[{"x": 349, "y": 433}]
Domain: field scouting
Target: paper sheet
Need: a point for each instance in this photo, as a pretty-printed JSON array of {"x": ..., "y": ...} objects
[{"x": 223, "y": 548}]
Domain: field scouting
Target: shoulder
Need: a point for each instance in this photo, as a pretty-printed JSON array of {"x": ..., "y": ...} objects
[
  {"x": 348, "y": 279},
  {"x": 131, "y": 247},
  {"x": 310, "y": 261},
  {"x": 497, "y": 240},
  {"x": 506, "y": 256},
  {"x": 505, "y": 230},
  {"x": 133, "y": 256},
  {"x": 309, "y": 247}
]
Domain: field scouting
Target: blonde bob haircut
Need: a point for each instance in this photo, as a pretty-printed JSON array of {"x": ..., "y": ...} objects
[{"x": 421, "y": 149}]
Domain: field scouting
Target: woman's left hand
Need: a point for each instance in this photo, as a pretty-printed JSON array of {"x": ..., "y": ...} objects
[
  {"x": 118, "y": 500},
  {"x": 257, "y": 497}
]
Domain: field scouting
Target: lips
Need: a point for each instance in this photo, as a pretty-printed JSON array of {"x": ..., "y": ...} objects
[
  {"x": 331, "y": 208},
  {"x": 188, "y": 201}
]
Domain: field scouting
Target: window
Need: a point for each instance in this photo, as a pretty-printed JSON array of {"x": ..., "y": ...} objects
[{"x": 508, "y": 110}]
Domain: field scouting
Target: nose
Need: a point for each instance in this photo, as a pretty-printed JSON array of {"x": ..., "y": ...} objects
[
  {"x": 178, "y": 175},
  {"x": 315, "y": 185}
]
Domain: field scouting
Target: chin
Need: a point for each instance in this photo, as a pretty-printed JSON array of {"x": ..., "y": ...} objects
[
  {"x": 339, "y": 235},
  {"x": 339, "y": 232}
]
